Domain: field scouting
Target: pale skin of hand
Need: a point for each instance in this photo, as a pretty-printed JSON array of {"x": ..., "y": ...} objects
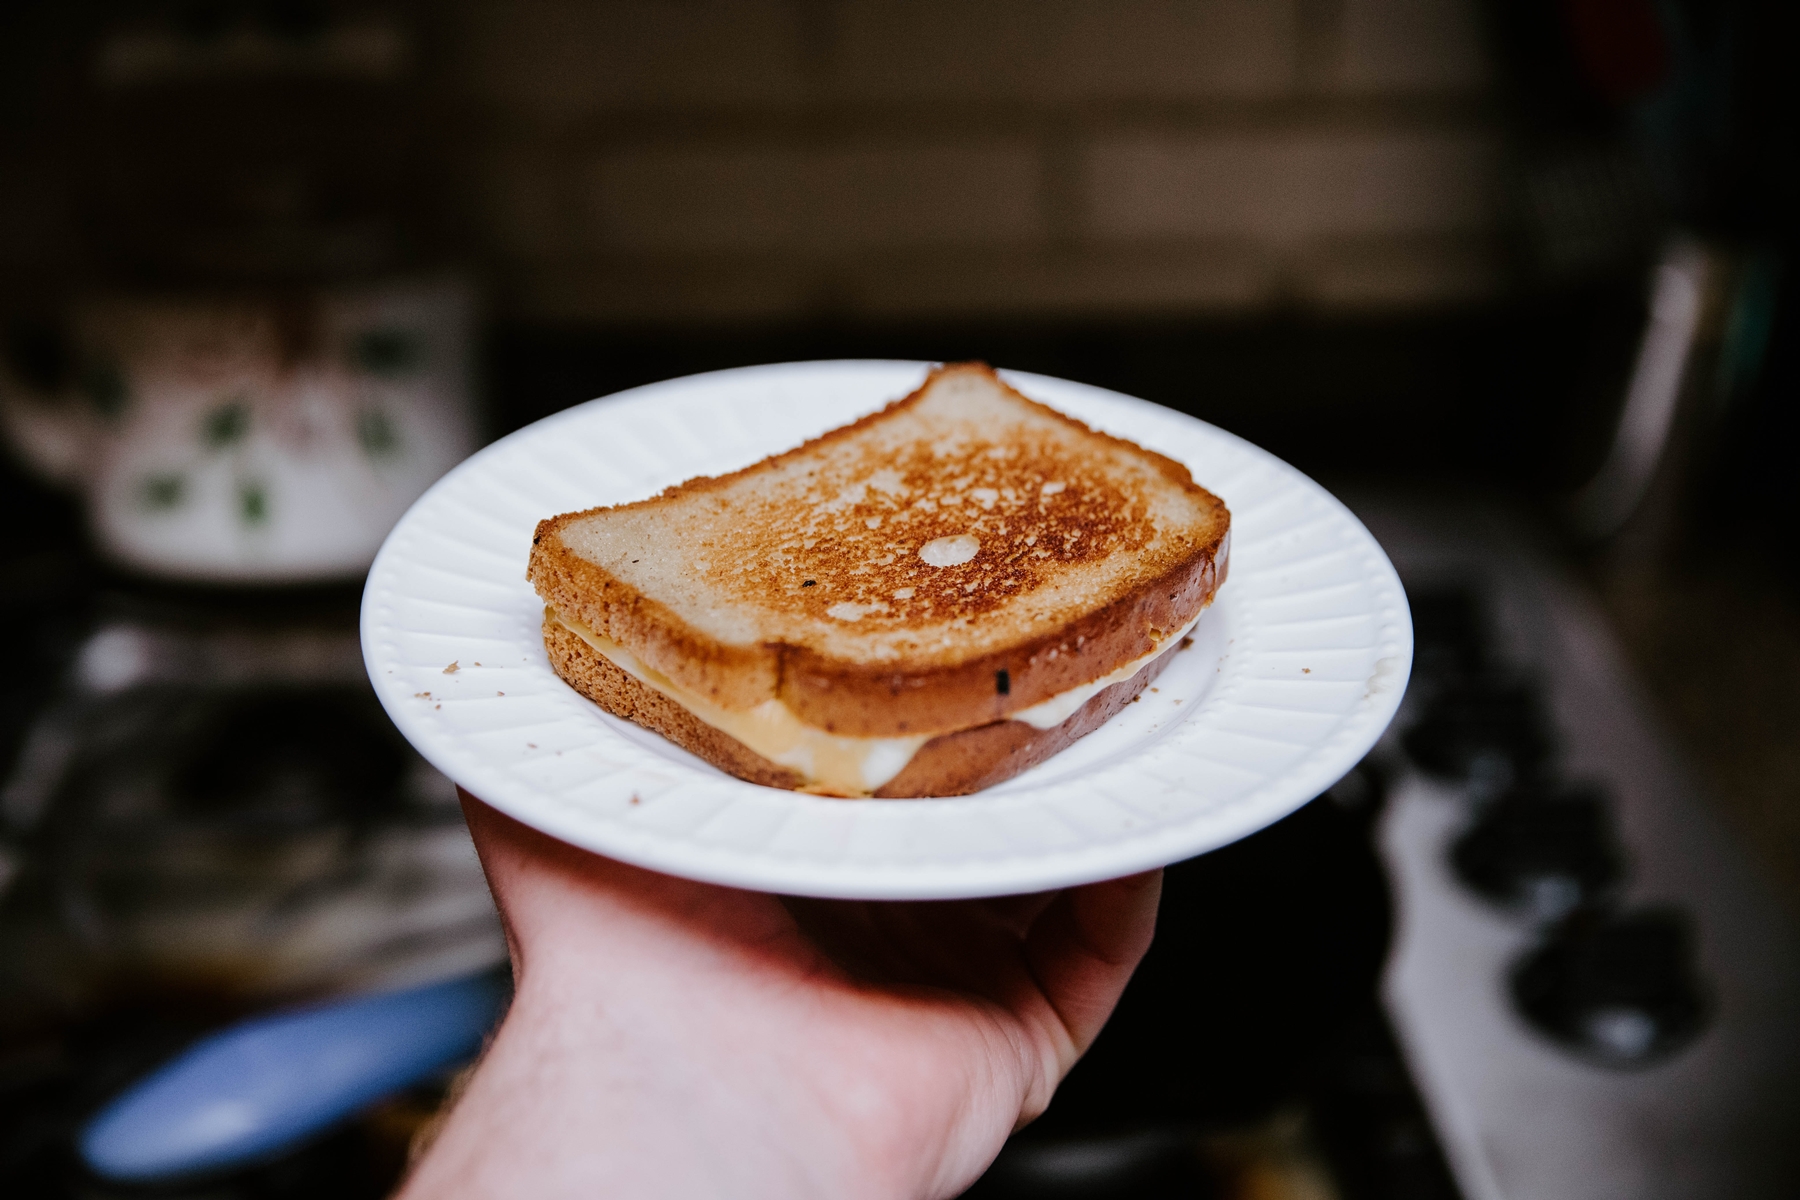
[{"x": 676, "y": 1039}]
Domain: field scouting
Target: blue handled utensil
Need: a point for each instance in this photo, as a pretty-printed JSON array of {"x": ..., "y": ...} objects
[{"x": 269, "y": 1082}]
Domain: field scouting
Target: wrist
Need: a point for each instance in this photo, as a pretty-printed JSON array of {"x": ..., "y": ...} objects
[
  {"x": 678, "y": 1099},
  {"x": 670, "y": 1067}
]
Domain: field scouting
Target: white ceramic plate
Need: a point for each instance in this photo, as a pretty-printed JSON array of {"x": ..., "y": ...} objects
[{"x": 1295, "y": 669}]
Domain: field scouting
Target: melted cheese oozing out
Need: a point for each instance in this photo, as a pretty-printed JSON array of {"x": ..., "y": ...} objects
[
  {"x": 832, "y": 763},
  {"x": 848, "y": 766}
]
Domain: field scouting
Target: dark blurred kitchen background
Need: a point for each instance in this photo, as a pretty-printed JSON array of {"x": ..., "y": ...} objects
[{"x": 1514, "y": 278}]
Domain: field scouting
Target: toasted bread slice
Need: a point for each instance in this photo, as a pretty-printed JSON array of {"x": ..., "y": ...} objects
[{"x": 957, "y": 557}]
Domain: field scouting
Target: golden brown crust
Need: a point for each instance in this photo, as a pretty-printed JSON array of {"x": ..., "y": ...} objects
[
  {"x": 952, "y": 764},
  {"x": 859, "y": 700},
  {"x": 864, "y": 698},
  {"x": 737, "y": 677},
  {"x": 955, "y": 764}
]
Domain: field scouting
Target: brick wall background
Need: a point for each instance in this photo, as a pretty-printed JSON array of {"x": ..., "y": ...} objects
[
  {"x": 677, "y": 160},
  {"x": 755, "y": 161}
]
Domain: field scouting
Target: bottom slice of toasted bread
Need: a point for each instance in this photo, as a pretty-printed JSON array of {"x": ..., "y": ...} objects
[{"x": 952, "y": 764}]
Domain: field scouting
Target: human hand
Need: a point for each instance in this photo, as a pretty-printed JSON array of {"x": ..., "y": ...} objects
[{"x": 673, "y": 1038}]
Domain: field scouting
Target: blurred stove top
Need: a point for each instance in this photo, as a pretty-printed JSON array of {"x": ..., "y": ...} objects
[
  {"x": 1510, "y": 956},
  {"x": 1598, "y": 994}
]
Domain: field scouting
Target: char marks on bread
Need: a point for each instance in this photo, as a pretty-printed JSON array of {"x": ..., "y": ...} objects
[{"x": 959, "y": 556}]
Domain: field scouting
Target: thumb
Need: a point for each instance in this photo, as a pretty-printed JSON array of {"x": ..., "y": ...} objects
[{"x": 1085, "y": 946}]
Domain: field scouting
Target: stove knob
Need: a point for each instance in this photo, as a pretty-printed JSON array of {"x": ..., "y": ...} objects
[
  {"x": 1616, "y": 989},
  {"x": 1544, "y": 852},
  {"x": 1487, "y": 733}
]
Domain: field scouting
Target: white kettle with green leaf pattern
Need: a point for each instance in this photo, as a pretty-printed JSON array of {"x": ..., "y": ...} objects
[{"x": 264, "y": 439}]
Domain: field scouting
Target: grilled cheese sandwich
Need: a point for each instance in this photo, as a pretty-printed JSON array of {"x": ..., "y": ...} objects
[{"x": 928, "y": 600}]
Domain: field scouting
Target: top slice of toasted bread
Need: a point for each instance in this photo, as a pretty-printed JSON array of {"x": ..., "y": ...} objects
[{"x": 959, "y": 555}]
